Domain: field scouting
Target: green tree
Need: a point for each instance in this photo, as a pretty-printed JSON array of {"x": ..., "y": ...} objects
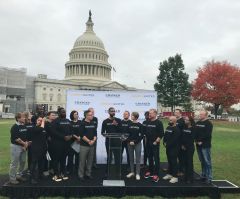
[{"x": 173, "y": 87}]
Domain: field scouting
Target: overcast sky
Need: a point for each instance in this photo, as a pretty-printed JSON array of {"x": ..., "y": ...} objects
[{"x": 138, "y": 35}]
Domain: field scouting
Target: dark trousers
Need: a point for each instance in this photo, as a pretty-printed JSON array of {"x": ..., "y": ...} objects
[
  {"x": 145, "y": 156},
  {"x": 48, "y": 163},
  {"x": 172, "y": 153},
  {"x": 188, "y": 163},
  {"x": 125, "y": 146},
  {"x": 37, "y": 164},
  {"x": 71, "y": 155},
  {"x": 59, "y": 154},
  {"x": 29, "y": 157},
  {"x": 95, "y": 154},
  {"x": 153, "y": 158},
  {"x": 180, "y": 157}
]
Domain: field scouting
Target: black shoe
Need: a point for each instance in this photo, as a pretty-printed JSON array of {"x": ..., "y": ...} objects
[
  {"x": 95, "y": 166},
  {"x": 33, "y": 181},
  {"x": 88, "y": 177},
  {"x": 207, "y": 182},
  {"x": 81, "y": 179},
  {"x": 200, "y": 179}
]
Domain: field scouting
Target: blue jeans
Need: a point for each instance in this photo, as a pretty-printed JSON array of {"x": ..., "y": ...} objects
[{"x": 204, "y": 155}]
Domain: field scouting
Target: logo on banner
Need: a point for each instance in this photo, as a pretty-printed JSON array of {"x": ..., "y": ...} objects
[
  {"x": 82, "y": 102},
  {"x": 112, "y": 95},
  {"x": 142, "y": 103}
]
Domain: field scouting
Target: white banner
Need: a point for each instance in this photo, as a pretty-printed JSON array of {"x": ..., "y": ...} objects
[{"x": 101, "y": 101}]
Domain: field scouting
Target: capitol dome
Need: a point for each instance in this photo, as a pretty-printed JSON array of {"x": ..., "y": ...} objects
[{"x": 88, "y": 59}]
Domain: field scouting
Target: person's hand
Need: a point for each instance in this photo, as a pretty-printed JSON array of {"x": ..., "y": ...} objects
[
  {"x": 91, "y": 142},
  {"x": 199, "y": 143},
  {"x": 183, "y": 148},
  {"x": 115, "y": 122},
  {"x": 155, "y": 143},
  {"x": 29, "y": 143},
  {"x": 67, "y": 138},
  {"x": 77, "y": 138},
  {"x": 132, "y": 143}
]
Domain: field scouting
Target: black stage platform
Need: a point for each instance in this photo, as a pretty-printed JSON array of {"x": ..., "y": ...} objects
[{"x": 74, "y": 188}]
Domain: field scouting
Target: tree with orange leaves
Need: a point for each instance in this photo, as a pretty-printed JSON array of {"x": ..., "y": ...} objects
[{"x": 217, "y": 83}]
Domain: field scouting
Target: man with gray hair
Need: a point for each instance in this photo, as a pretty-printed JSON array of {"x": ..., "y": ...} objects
[{"x": 203, "y": 144}]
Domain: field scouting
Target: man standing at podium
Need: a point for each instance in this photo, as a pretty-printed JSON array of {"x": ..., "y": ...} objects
[{"x": 109, "y": 126}]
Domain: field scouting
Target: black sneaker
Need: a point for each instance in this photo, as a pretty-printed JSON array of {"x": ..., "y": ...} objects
[
  {"x": 33, "y": 181},
  {"x": 81, "y": 179},
  {"x": 88, "y": 177}
]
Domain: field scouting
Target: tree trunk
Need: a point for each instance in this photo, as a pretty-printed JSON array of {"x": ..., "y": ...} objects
[{"x": 216, "y": 107}]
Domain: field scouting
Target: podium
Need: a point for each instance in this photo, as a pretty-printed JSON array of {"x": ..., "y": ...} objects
[{"x": 114, "y": 170}]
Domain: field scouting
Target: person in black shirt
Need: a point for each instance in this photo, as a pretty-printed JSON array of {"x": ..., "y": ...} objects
[
  {"x": 172, "y": 144},
  {"x": 29, "y": 125},
  {"x": 203, "y": 144},
  {"x": 38, "y": 149},
  {"x": 154, "y": 133},
  {"x": 95, "y": 121},
  {"x": 61, "y": 137},
  {"x": 111, "y": 125},
  {"x": 188, "y": 136},
  {"x": 134, "y": 144},
  {"x": 19, "y": 145},
  {"x": 180, "y": 124},
  {"x": 48, "y": 165},
  {"x": 146, "y": 114},
  {"x": 125, "y": 124},
  {"x": 88, "y": 138},
  {"x": 72, "y": 154}
]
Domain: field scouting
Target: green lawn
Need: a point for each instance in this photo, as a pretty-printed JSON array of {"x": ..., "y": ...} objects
[{"x": 225, "y": 153}]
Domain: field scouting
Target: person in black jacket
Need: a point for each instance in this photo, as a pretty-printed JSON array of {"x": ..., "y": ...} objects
[
  {"x": 72, "y": 154},
  {"x": 180, "y": 124},
  {"x": 38, "y": 149},
  {"x": 135, "y": 131},
  {"x": 29, "y": 125},
  {"x": 125, "y": 124},
  {"x": 19, "y": 145},
  {"x": 154, "y": 133},
  {"x": 48, "y": 165},
  {"x": 111, "y": 125},
  {"x": 203, "y": 144},
  {"x": 61, "y": 137},
  {"x": 172, "y": 144},
  {"x": 188, "y": 136}
]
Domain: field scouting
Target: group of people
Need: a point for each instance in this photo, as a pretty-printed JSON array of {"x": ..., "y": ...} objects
[{"x": 48, "y": 142}]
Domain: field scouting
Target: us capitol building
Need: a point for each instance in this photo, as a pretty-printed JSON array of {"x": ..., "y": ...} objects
[{"x": 86, "y": 69}]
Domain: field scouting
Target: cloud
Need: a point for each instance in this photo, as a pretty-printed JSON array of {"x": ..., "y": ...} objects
[{"x": 138, "y": 35}]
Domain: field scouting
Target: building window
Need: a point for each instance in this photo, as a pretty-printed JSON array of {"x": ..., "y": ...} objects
[
  {"x": 51, "y": 97},
  {"x": 51, "y": 89},
  {"x": 59, "y": 97},
  {"x": 59, "y": 90},
  {"x": 50, "y": 108},
  {"x": 44, "y": 88},
  {"x": 44, "y": 96}
]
